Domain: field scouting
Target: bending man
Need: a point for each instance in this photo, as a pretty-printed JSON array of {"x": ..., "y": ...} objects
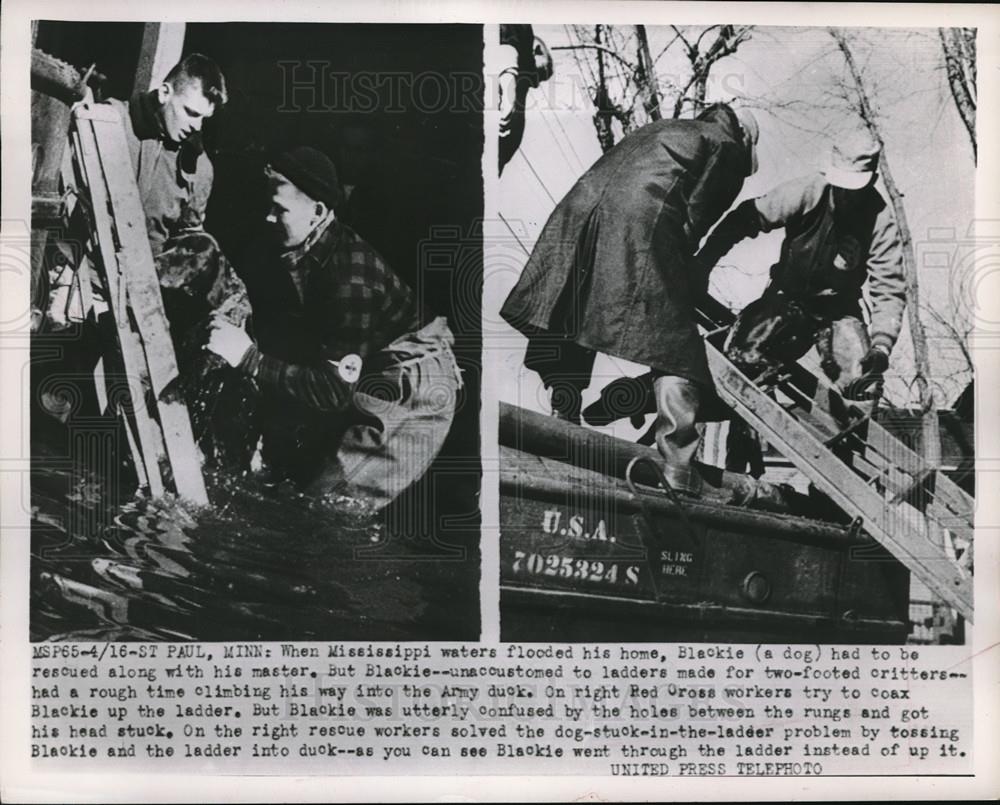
[
  {"x": 613, "y": 270},
  {"x": 839, "y": 234},
  {"x": 357, "y": 387}
]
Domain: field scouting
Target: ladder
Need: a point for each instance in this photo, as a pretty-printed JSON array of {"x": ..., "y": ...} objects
[
  {"x": 914, "y": 511},
  {"x": 157, "y": 423}
]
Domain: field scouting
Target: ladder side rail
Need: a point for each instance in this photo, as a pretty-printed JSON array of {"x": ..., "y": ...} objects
[
  {"x": 876, "y": 461},
  {"x": 896, "y": 527},
  {"x": 140, "y": 277},
  {"x": 143, "y": 288},
  {"x": 951, "y": 506},
  {"x": 149, "y": 438}
]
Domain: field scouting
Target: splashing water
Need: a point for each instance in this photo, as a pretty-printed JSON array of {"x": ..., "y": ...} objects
[{"x": 257, "y": 565}]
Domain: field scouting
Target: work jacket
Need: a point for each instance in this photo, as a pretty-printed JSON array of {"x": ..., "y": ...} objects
[
  {"x": 351, "y": 303},
  {"x": 612, "y": 268},
  {"x": 835, "y": 241},
  {"x": 174, "y": 180},
  {"x": 336, "y": 301}
]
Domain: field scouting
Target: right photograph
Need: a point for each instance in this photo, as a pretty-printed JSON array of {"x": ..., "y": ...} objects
[{"x": 730, "y": 280}]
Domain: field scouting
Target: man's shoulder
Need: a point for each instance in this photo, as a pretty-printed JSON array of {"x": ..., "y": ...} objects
[
  {"x": 810, "y": 185},
  {"x": 204, "y": 171},
  {"x": 346, "y": 257},
  {"x": 680, "y": 135},
  {"x": 350, "y": 242},
  {"x": 669, "y": 138}
]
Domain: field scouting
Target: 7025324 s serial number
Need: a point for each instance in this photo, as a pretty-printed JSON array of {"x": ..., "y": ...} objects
[{"x": 568, "y": 567}]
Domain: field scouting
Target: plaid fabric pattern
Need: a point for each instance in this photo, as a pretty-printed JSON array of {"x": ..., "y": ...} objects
[
  {"x": 374, "y": 306},
  {"x": 320, "y": 386},
  {"x": 353, "y": 303}
]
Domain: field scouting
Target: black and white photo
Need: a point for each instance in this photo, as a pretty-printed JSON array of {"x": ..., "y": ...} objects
[
  {"x": 255, "y": 331},
  {"x": 508, "y": 400},
  {"x": 743, "y": 408}
]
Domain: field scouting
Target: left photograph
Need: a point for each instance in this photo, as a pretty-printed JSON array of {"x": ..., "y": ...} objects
[{"x": 256, "y": 274}]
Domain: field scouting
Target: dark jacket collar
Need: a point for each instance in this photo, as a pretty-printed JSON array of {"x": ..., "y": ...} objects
[
  {"x": 320, "y": 250},
  {"x": 144, "y": 110},
  {"x": 314, "y": 248},
  {"x": 311, "y": 262}
]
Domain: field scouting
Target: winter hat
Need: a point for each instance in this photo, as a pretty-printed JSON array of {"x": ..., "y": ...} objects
[
  {"x": 312, "y": 172},
  {"x": 853, "y": 161}
]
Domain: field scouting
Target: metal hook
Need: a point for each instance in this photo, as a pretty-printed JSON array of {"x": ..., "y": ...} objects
[{"x": 690, "y": 534}]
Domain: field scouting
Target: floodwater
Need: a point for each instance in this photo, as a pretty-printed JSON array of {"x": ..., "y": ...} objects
[{"x": 256, "y": 565}]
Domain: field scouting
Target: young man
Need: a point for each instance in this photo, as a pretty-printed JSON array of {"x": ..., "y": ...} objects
[
  {"x": 839, "y": 234},
  {"x": 612, "y": 270},
  {"x": 174, "y": 178},
  {"x": 357, "y": 387},
  {"x": 163, "y": 127}
]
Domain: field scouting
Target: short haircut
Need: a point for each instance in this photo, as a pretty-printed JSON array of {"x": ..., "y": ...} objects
[{"x": 196, "y": 67}]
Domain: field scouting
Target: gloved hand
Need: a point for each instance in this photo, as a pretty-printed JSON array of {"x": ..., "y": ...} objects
[
  {"x": 873, "y": 366},
  {"x": 876, "y": 361}
]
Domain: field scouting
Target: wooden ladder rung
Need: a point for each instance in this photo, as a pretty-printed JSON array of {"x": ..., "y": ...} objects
[
  {"x": 718, "y": 331},
  {"x": 919, "y": 481},
  {"x": 900, "y": 528},
  {"x": 850, "y": 430}
]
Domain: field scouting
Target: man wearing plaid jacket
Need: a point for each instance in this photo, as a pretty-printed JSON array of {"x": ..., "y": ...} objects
[{"x": 357, "y": 386}]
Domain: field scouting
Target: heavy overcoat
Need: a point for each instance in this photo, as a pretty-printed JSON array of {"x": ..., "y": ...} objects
[{"x": 612, "y": 269}]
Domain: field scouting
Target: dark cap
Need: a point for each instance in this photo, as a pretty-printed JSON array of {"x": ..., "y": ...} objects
[{"x": 312, "y": 172}]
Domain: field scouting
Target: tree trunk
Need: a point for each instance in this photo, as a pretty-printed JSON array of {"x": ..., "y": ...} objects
[
  {"x": 958, "y": 59},
  {"x": 930, "y": 441},
  {"x": 646, "y": 76},
  {"x": 604, "y": 114}
]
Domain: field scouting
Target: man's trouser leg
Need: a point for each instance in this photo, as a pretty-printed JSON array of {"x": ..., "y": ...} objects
[
  {"x": 378, "y": 459},
  {"x": 677, "y": 435},
  {"x": 565, "y": 368},
  {"x": 842, "y": 344}
]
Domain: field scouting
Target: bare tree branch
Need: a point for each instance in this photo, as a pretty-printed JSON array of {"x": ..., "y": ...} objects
[
  {"x": 606, "y": 50},
  {"x": 683, "y": 39},
  {"x": 961, "y": 71},
  {"x": 726, "y": 42},
  {"x": 960, "y": 338},
  {"x": 612, "y": 91},
  {"x": 666, "y": 48},
  {"x": 703, "y": 34}
]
